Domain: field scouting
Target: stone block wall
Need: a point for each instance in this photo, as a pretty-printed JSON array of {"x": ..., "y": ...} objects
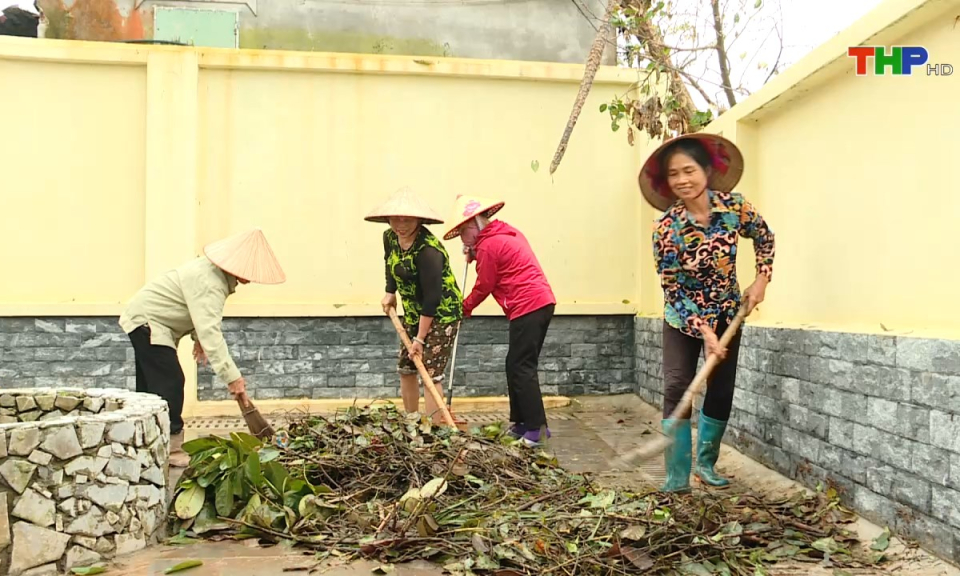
[
  {"x": 876, "y": 416},
  {"x": 82, "y": 476},
  {"x": 357, "y": 357},
  {"x": 71, "y": 352},
  {"x": 321, "y": 357}
]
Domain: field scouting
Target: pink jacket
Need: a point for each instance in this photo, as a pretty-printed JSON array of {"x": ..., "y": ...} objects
[{"x": 508, "y": 269}]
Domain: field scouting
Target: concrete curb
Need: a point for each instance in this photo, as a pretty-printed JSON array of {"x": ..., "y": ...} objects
[{"x": 229, "y": 408}]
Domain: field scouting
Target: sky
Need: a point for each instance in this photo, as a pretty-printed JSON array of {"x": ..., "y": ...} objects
[{"x": 805, "y": 25}]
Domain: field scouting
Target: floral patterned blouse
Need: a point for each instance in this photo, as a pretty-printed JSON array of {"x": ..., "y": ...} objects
[
  {"x": 423, "y": 277},
  {"x": 698, "y": 265}
]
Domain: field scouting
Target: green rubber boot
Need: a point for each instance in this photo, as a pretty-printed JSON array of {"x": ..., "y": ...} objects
[
  {"x": 677, "y": 457},
  {"x": 709, "y": 433}
]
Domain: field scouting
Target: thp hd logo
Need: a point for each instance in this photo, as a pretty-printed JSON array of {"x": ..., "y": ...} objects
[{"x": 900, "y": 60}]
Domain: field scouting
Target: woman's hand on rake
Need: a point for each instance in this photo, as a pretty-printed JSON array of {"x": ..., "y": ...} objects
[{"x": 712, "y": 343}]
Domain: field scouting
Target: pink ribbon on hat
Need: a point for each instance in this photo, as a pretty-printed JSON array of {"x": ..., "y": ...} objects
[{"x": 472, "y": 206}]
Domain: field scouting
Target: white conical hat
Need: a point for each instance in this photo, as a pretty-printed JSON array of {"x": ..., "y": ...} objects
[
  {"x": 247, "y": 256},
  {"x": 404, "y": 202}
]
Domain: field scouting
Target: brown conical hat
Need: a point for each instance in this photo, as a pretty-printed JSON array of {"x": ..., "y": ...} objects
[
  {"x": 466, "y": 208},
  {"x": 404, "y": 202},
  {"x": 247, "y": 256},
  {"x": 727, "y": 169}
]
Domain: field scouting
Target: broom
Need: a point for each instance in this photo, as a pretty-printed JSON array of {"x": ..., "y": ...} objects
[
  {"x": 658, "y": 445},
  {"x": 424, "y": 375},
  {"x": 256, "y": 423}
]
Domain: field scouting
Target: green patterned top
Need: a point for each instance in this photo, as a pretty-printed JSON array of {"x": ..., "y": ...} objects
[{"x": 423, "y": 277}]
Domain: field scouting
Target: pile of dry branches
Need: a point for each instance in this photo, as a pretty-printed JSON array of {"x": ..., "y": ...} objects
[{"x": 371, "y": 482}]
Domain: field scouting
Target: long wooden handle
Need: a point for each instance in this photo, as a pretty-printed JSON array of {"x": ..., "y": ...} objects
[
  {"x": 712, "y": 361},
  {"x": 456, "y": 341},
  {"x": 424, "y": 375}
]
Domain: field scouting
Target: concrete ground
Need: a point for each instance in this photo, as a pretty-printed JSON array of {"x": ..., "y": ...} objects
[{"x": 587, "y": 436}]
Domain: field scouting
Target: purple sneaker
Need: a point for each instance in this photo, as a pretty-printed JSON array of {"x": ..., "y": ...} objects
[{"x": 532, "y": 438}]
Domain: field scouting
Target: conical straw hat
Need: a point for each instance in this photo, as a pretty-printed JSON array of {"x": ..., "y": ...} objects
[
  {"x": 404, "y": 202},
  {"x": 466, "y": 208},
  {"x": 727, "y": 169},
  {"x": 247, "y": 256}
]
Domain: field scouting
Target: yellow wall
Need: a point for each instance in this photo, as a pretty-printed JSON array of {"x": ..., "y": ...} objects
[
  {"x": 857, "y": 178},
  {"x": 139, "y": 155},
  {"x": 71, "y": 182},
  {"x": 148, "y": 153}
]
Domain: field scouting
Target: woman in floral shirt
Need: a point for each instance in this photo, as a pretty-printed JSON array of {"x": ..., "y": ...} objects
[
  {"x": 691, "y": 179},
  {"x": 418, "y": 267}
]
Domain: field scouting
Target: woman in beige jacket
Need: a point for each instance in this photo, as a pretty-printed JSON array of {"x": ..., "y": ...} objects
[{"x": 190, "y": 300}]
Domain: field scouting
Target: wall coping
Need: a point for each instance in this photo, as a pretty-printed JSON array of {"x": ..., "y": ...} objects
[
  {"x": 884, "y": 24},
  {"x": 75, "y": 51}
]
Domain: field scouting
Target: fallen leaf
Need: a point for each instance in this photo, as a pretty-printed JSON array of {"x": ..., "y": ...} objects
[
  {"x": 433, "y": 488},
  {"x": 881, "y": 542},
  {"x": 181, "y": 539},
  {"x": 478, "y": 544},
  {"x": 633, "y": 533},
  {"x": 640, "y": 559},
  {"x": 88, "y": 570},
  {"x": 185, "y": 565},
  {"x": 190, "y": 502}
]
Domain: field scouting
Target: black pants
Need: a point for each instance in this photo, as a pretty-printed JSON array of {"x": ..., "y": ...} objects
[
  {"x": 159, "y": 372},
  {"x": 680, "y": 356},
  {"x": 527, "y": 334}
]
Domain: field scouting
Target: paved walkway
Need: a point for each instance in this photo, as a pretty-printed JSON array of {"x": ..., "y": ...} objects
[{"x": 587, "y": 437}]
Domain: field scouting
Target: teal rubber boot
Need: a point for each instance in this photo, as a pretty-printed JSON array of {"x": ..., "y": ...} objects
[
  {"x": 709, "y": 433},
  {"x": 677, "y": 457}
]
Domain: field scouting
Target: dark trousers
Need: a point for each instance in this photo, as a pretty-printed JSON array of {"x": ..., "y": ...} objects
[
  {"x": 527, "y": 334},
  {"x": 680, "y": 356},
  {"x": 159, "y": 372}
]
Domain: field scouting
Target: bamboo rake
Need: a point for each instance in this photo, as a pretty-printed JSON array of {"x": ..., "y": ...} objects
[{"x": 658, "y": 445}]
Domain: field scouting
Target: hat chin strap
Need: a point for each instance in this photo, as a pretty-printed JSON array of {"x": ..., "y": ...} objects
[{"x": 481, "y": 221}]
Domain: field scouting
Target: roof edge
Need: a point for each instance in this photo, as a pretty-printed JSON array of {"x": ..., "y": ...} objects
[{"x": 888, "y": 21}]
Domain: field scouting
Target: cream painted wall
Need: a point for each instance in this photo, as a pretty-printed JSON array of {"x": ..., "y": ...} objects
[
  {"x": 855, "y": 175},
  {"x": 143, "y": 154},
  {"x": 71, "y": 182},
  {"x": 309, "y": 161}
]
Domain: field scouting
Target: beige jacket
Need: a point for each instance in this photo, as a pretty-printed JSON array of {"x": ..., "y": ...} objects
[{"x": 187, "y": 300}]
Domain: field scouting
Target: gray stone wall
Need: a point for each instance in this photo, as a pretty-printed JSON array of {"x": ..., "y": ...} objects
[
  {"x": 357, "y": 357},
  {"x": 878, "y": 417},
  {"x": 65, "y": 352},
  {"x": 321, "y": 357}
]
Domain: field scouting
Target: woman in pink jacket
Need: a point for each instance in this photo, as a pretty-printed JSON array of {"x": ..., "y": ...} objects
[{"x": 508, "y": 269}]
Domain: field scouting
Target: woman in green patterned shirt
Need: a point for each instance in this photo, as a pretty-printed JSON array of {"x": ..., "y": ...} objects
[{"x": 418, "y": 267}]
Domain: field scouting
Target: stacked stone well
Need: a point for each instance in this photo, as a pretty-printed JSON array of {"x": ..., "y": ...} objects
[{"x": 82, "y": 476}]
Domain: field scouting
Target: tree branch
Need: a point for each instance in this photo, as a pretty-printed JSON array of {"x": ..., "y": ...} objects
[
  {"x": 776, "y": 64},
  {"x": 722, "y": 53},
  {"x": 589, "y": 73},
  {"x": 696, "y": 85}
]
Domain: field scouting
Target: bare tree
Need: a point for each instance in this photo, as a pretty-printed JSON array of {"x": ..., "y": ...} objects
[{"x": 681, "y": 53}]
